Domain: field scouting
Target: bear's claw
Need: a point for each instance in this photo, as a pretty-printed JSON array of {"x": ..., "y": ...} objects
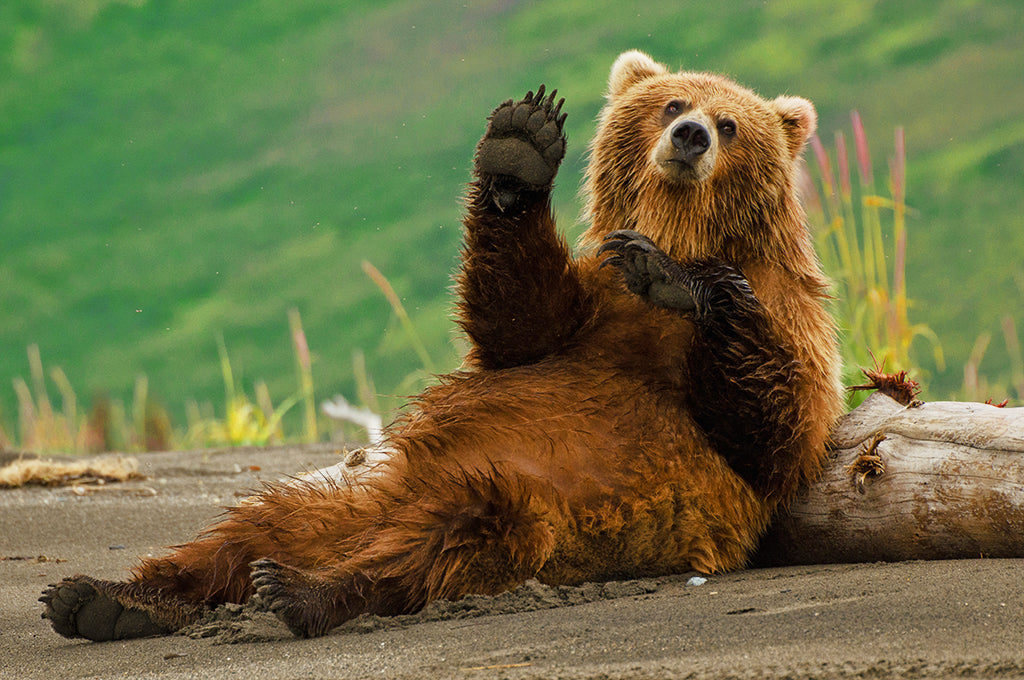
[
  {"x": 647, "y": 271},
  {"x": 77, "y": 607},
  {"x": 523, "y": 146}
]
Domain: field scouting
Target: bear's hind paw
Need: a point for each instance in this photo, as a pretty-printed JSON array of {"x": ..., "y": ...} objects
[
  {"x": 300, "y": 601},
  {"x": 77, "y": 607},
  {"x": 524, "y": 144}
]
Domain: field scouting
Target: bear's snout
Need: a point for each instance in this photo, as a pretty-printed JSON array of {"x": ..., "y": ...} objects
[
  {"x": 690, "y": 138},
  {"x": 687, "y": 149}
]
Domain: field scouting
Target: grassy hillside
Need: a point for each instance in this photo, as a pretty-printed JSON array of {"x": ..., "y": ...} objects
[{"x": 173, "y": 171}]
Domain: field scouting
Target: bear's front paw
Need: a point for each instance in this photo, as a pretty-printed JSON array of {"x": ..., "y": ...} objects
[
  {"x": 523, "y": 146},
  {"x": 648, "y": 271}
]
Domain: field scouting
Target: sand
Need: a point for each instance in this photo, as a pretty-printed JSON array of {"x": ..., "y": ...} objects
[{"x": 911, "y": 619}]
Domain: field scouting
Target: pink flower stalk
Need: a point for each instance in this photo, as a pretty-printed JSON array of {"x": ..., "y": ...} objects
[
  {"x": 844, "y": 164},
  {"x": 898, "y": 167},
  {"x": 899, "y": 282},
  {"x": 301, "y": 347},
  {"x": 860, "y": 140},
  {"x": 824, "y": 165}
]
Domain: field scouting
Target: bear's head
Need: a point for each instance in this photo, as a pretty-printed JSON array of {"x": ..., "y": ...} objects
[{"x": 700, "y": 164}]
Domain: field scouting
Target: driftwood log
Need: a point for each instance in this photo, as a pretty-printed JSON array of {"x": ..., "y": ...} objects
[{"x": 939, "y": 480}]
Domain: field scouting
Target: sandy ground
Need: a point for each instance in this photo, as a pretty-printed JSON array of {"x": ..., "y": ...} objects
[{"x": 911, "y": 619}]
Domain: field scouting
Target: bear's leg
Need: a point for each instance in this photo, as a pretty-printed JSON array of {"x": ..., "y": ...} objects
[
  {"x": 174, "y": 590},
  {"x": 749, "y": 409},
  {"x": 521, "y": 298},
  {"x": 164, "y": 593},
  {"x": 476, "y": 534}
]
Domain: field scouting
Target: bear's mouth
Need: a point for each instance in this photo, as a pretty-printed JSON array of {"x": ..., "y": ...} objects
[{"x": 682, "y": 170}]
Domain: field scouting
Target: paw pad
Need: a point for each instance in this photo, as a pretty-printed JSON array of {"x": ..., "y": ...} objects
[
  {"x": 76, "y": 608},
  {"x": 524, "y": 140}
]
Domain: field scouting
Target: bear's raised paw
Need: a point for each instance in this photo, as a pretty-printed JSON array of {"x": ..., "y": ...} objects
[{"x": 523, "y": 146}]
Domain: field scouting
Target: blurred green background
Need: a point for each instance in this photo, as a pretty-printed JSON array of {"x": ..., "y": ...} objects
[{"x": 172, "y": 171}]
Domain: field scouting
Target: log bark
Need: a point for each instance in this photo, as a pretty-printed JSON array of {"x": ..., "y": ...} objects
[{"x": 939, "y": 480}]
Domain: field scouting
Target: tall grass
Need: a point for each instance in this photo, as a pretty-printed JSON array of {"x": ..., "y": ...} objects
[
  {"x": 255, "y": 421},
  {"x": 1013, "y": 348},
  {"x": 396, "y": 305},
  {"x": 109, "y": 425},
  {"x": 862, "y": 239},
  {"x": 145, "y": 425},
  {"x": 976, "y": 385},
  {"x": 416, "y": 380},
  {"x": 304, "y": 370},
  {"x": 244, "y": 420}
]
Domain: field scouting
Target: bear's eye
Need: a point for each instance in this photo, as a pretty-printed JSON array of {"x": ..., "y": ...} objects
[
  {"x": 727, "y": 127},
  {"x": 674, "y": 108}
]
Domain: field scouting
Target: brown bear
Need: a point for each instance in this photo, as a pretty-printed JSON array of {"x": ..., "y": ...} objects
[{"x": 641, "y": 409}]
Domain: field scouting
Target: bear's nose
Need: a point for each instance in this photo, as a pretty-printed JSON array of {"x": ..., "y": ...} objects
[{"x": 691, "y": 138}]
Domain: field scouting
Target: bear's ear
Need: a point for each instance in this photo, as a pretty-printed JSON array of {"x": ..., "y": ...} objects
[
  {"x": 631, "y": 67},
  {"x": 799, "y": 119}
]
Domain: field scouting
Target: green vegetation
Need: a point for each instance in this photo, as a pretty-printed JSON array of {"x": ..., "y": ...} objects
[
  {"x": 847, "y": 218},
  {"x": 174, "y": 172}
]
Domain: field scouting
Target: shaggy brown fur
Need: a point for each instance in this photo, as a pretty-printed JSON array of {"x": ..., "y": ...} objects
[{"x": 641, "y": 418}]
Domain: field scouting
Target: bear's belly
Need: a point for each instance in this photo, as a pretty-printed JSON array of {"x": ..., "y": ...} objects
[
  {"x": 633, "y": 487},
  {"x": 578, "y": 427},
  {"x": 627, "y": 481}
]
